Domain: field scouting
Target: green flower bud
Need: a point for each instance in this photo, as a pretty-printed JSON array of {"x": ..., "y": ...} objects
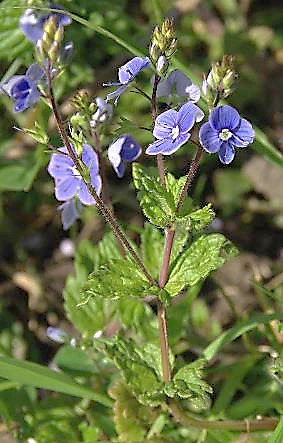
[
  {"x": 220, "y": 81},
  {"x": 163, "y": 42}
]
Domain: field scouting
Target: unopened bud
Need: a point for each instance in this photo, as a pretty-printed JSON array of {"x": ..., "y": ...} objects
[
  {"x": 220, "y": 81},
  {"x": 162, "y": 65},
  {"x": 163, "y": 40},
  {"x": 154, "y": 51}
]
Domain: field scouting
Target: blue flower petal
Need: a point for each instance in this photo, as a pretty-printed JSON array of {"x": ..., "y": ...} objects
[
  {"x": 96, "y": 182},
  {"x": 131, "y": 69},
  {"x": 84, "y": 195},
  {"x": 187, "y": 117},
  {"x": 90, "y": 158},
  {"x": 226, "y": 153},
  {"x": 60, "y": 165},
  {"x": 131, "y": 149},
  {"x": 209, "y": 138},
  {"x": 20, "y": 105},
  {"x": 160, "y": 146},
  {"x": 164, "y": 124},
  {"x": 116, "y": 94},
  {"x": 69, "y": 213},
  {"x": 243, "y": 135},
  {"x": 35, "y": 72},
  {"x": 114, "y": 151},
  {"x": 224, "y": 117},
  {"x": 167, "y": 146},
  {"x": 120, "y": 169},
  {"x": 66, "y": 188}
]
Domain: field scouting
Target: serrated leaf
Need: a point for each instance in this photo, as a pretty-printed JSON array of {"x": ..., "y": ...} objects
[
  {"x": 137, "y": 368},
  {"x": 197, "y": 220},
  {"x": 93, "y": 315},
  {"x": 156, "y": 201},
  {"x": 188, "y": 383},
  {"x": 118, "y": 278},
  {"x": 207, "y": 253}
]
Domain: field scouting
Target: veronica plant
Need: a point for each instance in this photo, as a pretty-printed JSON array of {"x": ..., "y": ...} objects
[{"x": 138, "y": 283}]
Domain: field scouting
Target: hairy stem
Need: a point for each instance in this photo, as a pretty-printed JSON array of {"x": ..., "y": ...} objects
[
  {"x": 106, "y": 212},
  {"x": 162, "y": 325},
  {"x": 190, "y": 177},
  {"x": 232, "y": 425}
]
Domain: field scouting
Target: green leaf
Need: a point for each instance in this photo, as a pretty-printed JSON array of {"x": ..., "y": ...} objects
[
  {"x": 38, "y": 133},
  {"x": 188, "y": 383},
  {"x": 32, "y": 374},
  {"x": 116, "y": 279},
  {"x": 19, "y": 175},
  {"x": 152, "y": 244},
  {"x": 140, "y": 368},
  {"x": 91, "y": 316},
  {"x": 197, "y": 220},
  {"x": 156, "y": 201},
  {"x": 238, "y": 330},
  {"x": 207, "y": 253},
  {"x": 277, "y": 434}
]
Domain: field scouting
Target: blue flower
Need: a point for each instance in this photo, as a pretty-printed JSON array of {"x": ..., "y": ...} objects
[
  {"x": 172, "y": 129},
  {"x": 224, "y": 131},
  {"x": 70, "y": 212},
  {"x": 103, "y": 112},
  {"x": 23, "y": 88},
  {"x": 68, "y": 181},
  {"x": 126, "y": 74},
  {"x": 178, "y": 85},
  {"x": 32, "y": 23},
  {"x": 125, "y": 149}
]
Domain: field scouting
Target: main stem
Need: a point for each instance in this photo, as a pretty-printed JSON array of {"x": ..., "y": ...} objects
[{"x": 106, "y": 212}]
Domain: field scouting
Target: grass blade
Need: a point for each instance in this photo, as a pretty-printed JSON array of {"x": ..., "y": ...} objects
[{"x": 32, "y": 374}]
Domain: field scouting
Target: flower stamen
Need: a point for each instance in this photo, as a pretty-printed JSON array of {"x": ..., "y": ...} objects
[{"x": 225, "y": 134}]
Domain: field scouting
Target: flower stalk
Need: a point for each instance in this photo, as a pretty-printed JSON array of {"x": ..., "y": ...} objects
[{"x": 106, "y": 212}]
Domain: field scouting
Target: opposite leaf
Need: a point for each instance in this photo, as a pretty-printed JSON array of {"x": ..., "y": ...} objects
[
  {"x": 207, "y": 253},
  {"x": 139, "y": 371},
  {"x": 116, "y": 279},
  {"x": 156, "y": 202},
  {"x": 188, "y": 383}
]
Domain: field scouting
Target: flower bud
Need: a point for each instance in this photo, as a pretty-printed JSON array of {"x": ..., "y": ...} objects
[
  {"x": 162, "y": 65},
  {"x": 163, "y": 42},
  {"x": 220, "y": 81}
]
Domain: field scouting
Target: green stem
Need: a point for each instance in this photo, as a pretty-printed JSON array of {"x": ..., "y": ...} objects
[
  {"x": 106, "y": 212},
  {"x": 247, "y": 425}
]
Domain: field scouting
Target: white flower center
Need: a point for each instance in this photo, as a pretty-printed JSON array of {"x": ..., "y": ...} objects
[
  {"x": 225, "y": 134},
  {"x": 175, "y": 132}
]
